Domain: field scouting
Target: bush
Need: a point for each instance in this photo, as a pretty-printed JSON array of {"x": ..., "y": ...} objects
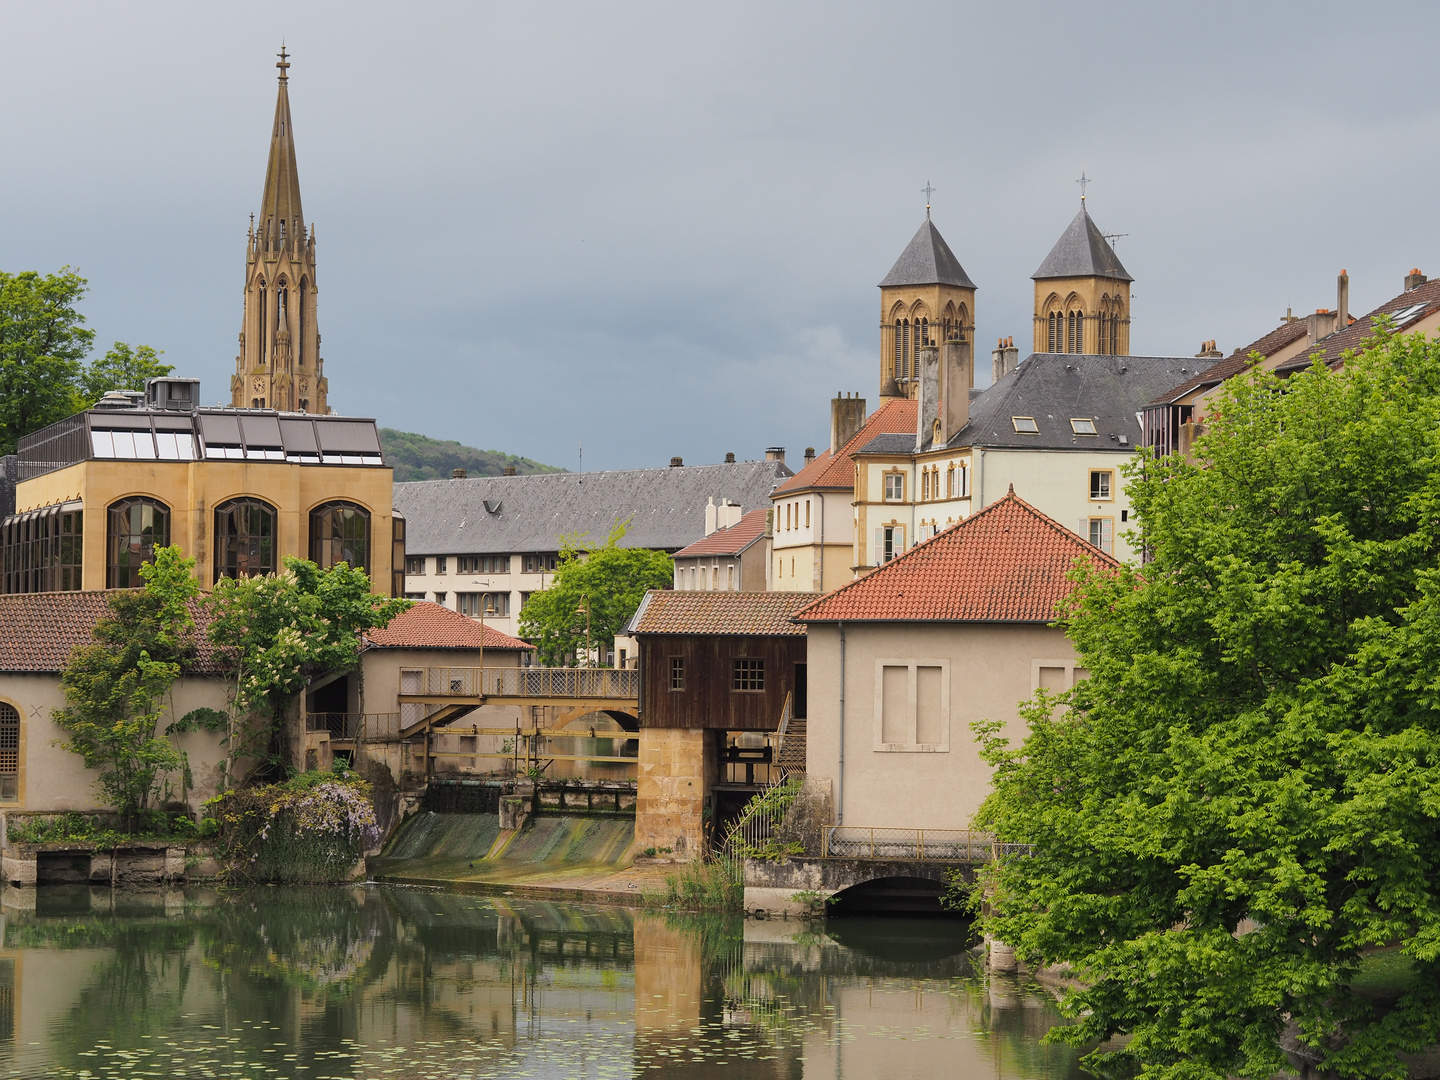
[
  {"x": 715, "y": 885},
  {"x": 312, "y": 828}
]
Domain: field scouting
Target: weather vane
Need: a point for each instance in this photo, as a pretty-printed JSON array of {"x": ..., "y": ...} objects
[
  {"x": 1082, "y": 182},
  {"x": 284, "y": 61},
  {"x": 928, "y": 190}
]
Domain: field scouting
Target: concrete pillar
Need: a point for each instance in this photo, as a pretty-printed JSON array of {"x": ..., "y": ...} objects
[{"x": 675, "y": 775}]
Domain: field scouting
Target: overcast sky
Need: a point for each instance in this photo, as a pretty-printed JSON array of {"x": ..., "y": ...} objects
[{"x": 657, "y": 229}]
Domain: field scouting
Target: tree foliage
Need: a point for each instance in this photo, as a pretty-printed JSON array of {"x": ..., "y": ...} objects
[
  {"x": 610, "y": 580},
  {"x": 121, "y": 368},
  {"x": 1244, "y": 797},
  {"x": 115, "y": 689},
  {"x": 282, "y": 629},
  {"x": 43, "y": 345},
  {"x": 419, "y": 457}
]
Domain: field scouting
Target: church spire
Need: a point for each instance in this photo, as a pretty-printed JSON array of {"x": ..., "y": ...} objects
[{"x": 281, "y": 218}]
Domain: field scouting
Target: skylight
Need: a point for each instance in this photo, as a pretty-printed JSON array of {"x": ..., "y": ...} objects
[
  {"x": 1025, "y": 425},
  {"x": 1405, "y": 314},
  {"x": 1082, "y": 425}
]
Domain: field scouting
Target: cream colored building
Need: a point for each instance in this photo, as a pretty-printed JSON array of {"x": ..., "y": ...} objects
[{"x": 904, "y": 660}]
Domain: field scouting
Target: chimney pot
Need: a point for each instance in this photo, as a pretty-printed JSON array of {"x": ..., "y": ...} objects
[
  {"x": 457, "y": 474},
  {"x": 1414, "y": 279},
  {"x": 775, "y": 453},
  {"x": 730, "y": 459},
  {"x": 676, "y": 462},
  {"x": 809, "y": 454}
]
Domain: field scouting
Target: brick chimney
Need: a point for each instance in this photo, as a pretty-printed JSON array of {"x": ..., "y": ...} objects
[
  {"x": 1414, "y": 278},
  {"x": 1208, "y": 351},
  {"x": 1004, "y": 359},
  {"x": 847, "y": 416},
  {"x": 730, "y": 459},
  {"x": 676, "y": 462},
  {"x": 775, "y": 453}
]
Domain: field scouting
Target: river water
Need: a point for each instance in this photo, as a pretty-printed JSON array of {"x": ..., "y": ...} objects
[{"x": 414, "y": 983}]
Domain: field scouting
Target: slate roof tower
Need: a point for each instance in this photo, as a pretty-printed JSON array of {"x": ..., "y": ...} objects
[
  {"x": 926, "y": 296},
  {"x": 279, "y": 366},
  {"x": 1082, "y": 294}
]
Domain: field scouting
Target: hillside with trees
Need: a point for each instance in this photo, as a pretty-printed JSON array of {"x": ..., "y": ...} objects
[{"x": 418, "y": 457}]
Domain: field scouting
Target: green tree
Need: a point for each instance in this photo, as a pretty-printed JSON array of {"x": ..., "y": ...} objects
[
  {"x": 610, "y": 580},
  {"x": 280, "y": 631},
  {"x": 43, "y": 344},
  {"x": 122, "y": 368},
  {"x": 115, "y": 689},
  {"x": 1243, "y": 800}
]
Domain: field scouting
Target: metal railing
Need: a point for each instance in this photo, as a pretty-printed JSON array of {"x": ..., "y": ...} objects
[
  {"x": 367, "y": 727},
  {"x": 956, "y": 845},
  {"x": 619, "y": 684}
]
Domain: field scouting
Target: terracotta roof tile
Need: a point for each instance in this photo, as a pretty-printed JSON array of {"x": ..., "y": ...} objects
[
  {"x": 729, "y": 541},
  {"x": 1008, "y": 563},
  {"x": 838, "y": 470},
  {"x": 38, "y": 631},
  {"x": 730, "y": 613},
  {"x": 1413, "y": 305},
  {"x": 429, "y": 625}
]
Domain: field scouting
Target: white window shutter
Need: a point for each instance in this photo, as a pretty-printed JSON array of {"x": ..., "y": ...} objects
[
  {"x": 1083, "y": 528},
  {"x": 879, "y": 547}
]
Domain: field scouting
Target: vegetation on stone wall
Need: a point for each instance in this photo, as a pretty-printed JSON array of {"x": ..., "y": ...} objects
[
  {"x": 1240, "y": 804},
  {"x": 418, "y": 457}
]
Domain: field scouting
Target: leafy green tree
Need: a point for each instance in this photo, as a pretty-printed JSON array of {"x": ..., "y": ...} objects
[
  {"x": 1243, "y": 800},
  {"x": 418, "y": 457},
  {"x": 122, "y": 368},
  {"x": 43, "y": 344},
  {"x": 115, "y": 689},
  {"x": 609, "y": 580},
  {"x": 280, "y": 631}
]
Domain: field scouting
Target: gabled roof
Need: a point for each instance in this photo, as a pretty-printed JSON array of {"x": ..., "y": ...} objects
[
  {"x": 837, "y": 471},
  {"x": 927, "y": 260},
  {"x": 1054, "y": 388},
  {"x": 1238, "y": 361},
  {"x": 1082, "y": 251},
  {"x": 730, "y": 614},
  {"x": 497, "y": 514},
  {"x": 729, "y": 541},
  {"x": 1008, "y": 563},
  {"x": 433, "y": 626},
  {"x": 1404, "y": 310},
  {"x": 39, "y": 631}
]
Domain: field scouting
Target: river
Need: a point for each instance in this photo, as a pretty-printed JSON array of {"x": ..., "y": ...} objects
[{"x": 408, "y": 983}]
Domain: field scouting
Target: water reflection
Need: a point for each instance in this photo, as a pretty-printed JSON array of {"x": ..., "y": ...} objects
[{"x": 395, "y": 982}]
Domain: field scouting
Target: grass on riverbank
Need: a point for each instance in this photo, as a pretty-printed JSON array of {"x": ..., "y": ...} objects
[
  {"x": 74, "y": 828},
  {"x": 712, "y": 885}
]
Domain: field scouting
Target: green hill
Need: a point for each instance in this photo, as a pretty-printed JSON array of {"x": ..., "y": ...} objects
[{"x": 418, "y": 457}]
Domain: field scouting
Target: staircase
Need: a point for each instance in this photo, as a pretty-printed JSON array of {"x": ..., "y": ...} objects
[{"x": 792, "y": 750}]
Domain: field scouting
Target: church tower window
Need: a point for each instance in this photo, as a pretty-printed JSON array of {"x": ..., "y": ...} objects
[
  {"x": 1075, "y": 336},
  {"x": 905, "y": 353},
  {"x": 899, "y": 350},
  {"x": 1057, "y": 333}
]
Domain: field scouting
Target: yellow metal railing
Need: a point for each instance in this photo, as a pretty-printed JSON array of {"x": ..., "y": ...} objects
[
  {"x": 470, "y": 682},
  {"x": 953, "y": 845}
]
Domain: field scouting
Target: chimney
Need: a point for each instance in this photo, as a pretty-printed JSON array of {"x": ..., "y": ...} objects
[
  {"x": 927, "y": 410},
  {"x": 457, "y": 474},
  {"x": 775, "y": 453},
  {"x": 1208, "y": 351},
  {"x": 510, "y": 470},
  {"x": 727, "y": 514},
  {"x": 730, "y": 459},
  {"x": 809, "y": 454},
  {"x": 1320, "y": 325},
  {"x": 1414, "y": 278},
  {"x": 957, "y": 376},
  {"x": 1003, "y": 360},
  {"x": 1342, "y": 300},
  {"x": 676, "y": 462},
  {"x": 847, "y": 417},
  {"x": 710, "y": 515}
]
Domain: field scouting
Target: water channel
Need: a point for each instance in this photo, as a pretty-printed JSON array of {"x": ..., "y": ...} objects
[{"x": 410, "y": 983}]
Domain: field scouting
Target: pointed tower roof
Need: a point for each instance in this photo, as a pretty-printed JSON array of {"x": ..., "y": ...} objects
[
  {"x": 281, "y": 200},
  {"x": 1082, "y": 251},
  {"x": 927, "y": 260}
]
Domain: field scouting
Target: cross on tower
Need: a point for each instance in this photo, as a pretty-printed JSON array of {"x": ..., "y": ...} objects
[
  {"x": 928, "y": 190},
  {"x": 284, "y": 62},
  {"x": 1082, "y": 182}
]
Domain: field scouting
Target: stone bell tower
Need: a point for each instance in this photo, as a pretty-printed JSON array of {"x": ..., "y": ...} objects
[{"x": 279, "y": 366}]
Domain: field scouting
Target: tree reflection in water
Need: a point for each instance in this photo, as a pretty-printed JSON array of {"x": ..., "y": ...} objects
[{"x": 379, "y": 981}]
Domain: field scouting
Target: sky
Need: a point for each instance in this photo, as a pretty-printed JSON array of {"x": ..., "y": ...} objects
[{"x": 656, "y": 229}]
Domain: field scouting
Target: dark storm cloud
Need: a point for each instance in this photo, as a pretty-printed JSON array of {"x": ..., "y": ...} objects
[{"x": 658, "y": 228}]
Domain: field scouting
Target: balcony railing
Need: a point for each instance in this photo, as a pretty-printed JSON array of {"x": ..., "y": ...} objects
[
  {"x": 535, "y": 682},
  {"x": 365, "y": 727},
  {"x": 953, "y": 845}
]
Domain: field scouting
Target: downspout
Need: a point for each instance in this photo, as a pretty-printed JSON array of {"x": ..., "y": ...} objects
[
  {"x": 981, "y": 479},
  {"x": 840, "y": 778}
]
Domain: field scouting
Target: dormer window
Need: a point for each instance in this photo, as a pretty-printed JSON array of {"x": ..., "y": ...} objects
[
  {"x": 1025, "y": 425},
  {"x": 1082, "y": 425}
]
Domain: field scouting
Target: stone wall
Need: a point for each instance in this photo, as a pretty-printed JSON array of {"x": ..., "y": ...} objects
[{"x": 677, "y": 767}]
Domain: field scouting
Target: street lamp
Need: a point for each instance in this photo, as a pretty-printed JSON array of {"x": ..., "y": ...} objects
[{"x": 584, "y": 609}]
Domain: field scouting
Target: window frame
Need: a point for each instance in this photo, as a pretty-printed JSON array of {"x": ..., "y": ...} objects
[
  {"x": 16, "y": 794},
  {"x": 913, "y": 664},
  {"x": 219, "y": 567},
  {"x": 1087, "y": 420},
  {"x": 886, "y": 477},
  {"x": 1107, "y": 526},
  {"x": 676, "y": 681},
  {"x": 747, "y": 675},
  {"x": 112, "y": 563},
  {"x": 1109, "y": 475},
  {"x": 1033, "y": 429},
  {"x": 318, "y": 543}
]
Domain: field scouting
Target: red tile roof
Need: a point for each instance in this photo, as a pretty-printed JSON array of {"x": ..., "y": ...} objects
[
  {"x": 1414, "y": 305},
  {"x": 1008, "y": 563},
  {"x": 766, "y": 614},
  {"x": 838, "y": 470},
  {"x": 729, "y": 541},
  {"x": 1238, "y": 361},
  {"x": 429, "y": 625},
  {"x": 38, "y": 631}
]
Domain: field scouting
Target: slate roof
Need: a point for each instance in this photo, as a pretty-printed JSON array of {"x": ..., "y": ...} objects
[
  {"x": 1406, "y": 309},
  {"x": 731, "y": 614},
  {"x": 1008, "y": 563},
  {"x": 38, "y": 631},
  {"x": 428, "y": 625},
  {"x": 729, "y": 541},
  {"x": 1238, "y": 361},
  {"x": 666, "y": 507},
  {"x": 927, "y": 260},
  {"x": 1082, "y": 251},
  {"x": 837, "y": 471},
  {"x": 1054, "y": 387}
]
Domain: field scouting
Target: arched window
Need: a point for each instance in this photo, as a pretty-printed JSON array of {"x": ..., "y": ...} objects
[
  {"x": 1115, "y": 334},
  {"x": 244, "y": 539},
  {"x": 1057, "y": 332},
  {"x": 905, "y": 352},
  {"x": 136, "y": 528},
  {"x": 340, "y": 532},
  {"x": 300, "y": 325},
  {"x": 9, "y": 752},
  {"x": 1076, "y": 332},
  {"x": 264, "y": 326},
  {"x": 899, "y": 350},
  {"x": 924, "y": 331},
  {"x": 282, "y": 232},
  {"x": 1100, "y": 321}
]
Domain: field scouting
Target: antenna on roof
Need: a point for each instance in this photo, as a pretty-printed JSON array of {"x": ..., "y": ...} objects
[
  {"x": 1113, "y": 236},
  {"x": 928, "y": 190},
  {"x": 1082, "y": 182}
]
